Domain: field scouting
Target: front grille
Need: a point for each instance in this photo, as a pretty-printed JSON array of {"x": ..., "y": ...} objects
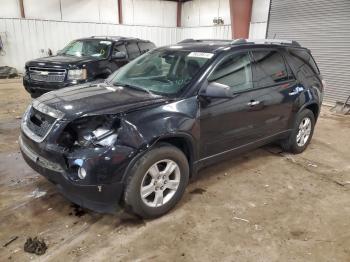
[
  {"x": 38, "y": 123},
  {"x": 47, "y": 74}
]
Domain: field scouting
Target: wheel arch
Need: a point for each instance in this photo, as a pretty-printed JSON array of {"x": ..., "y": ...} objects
[
  {"x": 313, "y": 107},
  {"x": 183, "y": 141}
]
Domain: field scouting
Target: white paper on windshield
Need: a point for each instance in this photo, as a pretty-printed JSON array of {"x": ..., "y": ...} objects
[
  {"x": 105, "y": 42},
  {"x": 201, "y": 55}
]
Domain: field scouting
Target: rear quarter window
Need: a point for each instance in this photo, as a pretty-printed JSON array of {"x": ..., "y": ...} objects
[
  {"x": 303, "y": 62},
  {"x": 269, "y": 68},
  {"x": 145, "y": 46},
  {"x": 133, "y": 50}
]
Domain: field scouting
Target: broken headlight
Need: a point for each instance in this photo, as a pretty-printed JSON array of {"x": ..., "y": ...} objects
[
  {"x": 90, "y": 131},
  {"x": 102, "y": 136}
]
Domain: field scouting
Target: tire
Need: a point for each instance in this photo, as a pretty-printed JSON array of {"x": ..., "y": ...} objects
[
  {"x": 293, "y": 143},
  {"x": 144, "y": 174}
]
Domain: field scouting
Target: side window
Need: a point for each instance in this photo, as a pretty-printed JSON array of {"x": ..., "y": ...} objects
[
  {"x": 145, "y": 47},
  {"x": 270, "y": 68},
  {"x": 303, "y": 62},
  {"x": 133, "y": 50},
  {"x": 119, "y": 48},
  {"x": 234, "y": 71}
]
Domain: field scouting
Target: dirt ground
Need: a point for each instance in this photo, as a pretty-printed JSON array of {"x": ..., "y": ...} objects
[{"x": 263, "y": 206}]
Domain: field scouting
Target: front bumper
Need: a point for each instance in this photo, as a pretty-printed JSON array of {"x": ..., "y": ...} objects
[
  {"x": 37, "y": 88},
  {"x": 104, "y": 198}
]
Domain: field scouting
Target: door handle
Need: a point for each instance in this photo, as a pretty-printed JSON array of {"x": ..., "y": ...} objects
[{"x": 253, "y": 103}]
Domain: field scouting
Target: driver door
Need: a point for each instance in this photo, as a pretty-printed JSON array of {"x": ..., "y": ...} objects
[{"x": 227, "y": 124}]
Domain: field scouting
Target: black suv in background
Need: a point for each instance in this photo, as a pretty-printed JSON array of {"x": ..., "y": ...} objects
[
  {"x": 82, "y": 60},
  {"x": 136, "y": 139}
]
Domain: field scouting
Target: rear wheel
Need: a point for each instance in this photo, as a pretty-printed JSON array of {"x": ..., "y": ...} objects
[
  {"x": 301, "y": 134},
  {"x": 157, "y": 181}
]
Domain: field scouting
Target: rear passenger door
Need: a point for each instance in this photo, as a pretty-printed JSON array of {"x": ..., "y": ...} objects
[
  {"x": 274, "y": 85},
  {"x": 133, "y": 50},
  {"x": 117, "y": 63}
]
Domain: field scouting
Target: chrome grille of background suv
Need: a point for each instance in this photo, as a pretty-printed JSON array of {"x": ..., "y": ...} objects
[{"x": 47, "y": 74}]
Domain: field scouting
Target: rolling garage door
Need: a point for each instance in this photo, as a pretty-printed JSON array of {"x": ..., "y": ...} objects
[{"x": 324, "y": 27}]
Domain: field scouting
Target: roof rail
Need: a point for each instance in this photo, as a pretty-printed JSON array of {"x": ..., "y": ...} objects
[
  {"x": 191, "y": 40},
  {"x": 265, "y": 41}
]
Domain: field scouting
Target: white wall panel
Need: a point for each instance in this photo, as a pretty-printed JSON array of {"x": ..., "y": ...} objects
[
  {"x": 109, "y": 11},
  {"x": 257, "y": 30},
  {"x": 149, "y": 12},
  {"x": 80, "y": 10},
  {"x": 9, "y": 9},
  {"x": 260, "y": 11},
  {"x": 24, "y": 39},
  {"x": 207, "y": 32},
  {"x": 190, "y": 14},
  {"x": 202, "y": 12},
  {"x": 38, "y": 9},
  {"x": 260, "y": 14}
]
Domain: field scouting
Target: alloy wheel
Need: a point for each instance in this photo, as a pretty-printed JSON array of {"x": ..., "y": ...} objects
[
  {"x": 160, "y": 183},
  {"x": 304, "y": 131}
]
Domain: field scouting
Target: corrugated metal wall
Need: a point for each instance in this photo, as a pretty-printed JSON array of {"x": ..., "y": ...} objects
[
  {"x": 324, "y": 27},
  {"x": 25, "y": 39}
]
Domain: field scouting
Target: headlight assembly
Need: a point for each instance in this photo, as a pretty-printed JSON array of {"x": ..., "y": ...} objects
[
  {"x": 102, "y": 137},
  {"x": 90, "y": 131},
  {"x": 77, "y": 74}
]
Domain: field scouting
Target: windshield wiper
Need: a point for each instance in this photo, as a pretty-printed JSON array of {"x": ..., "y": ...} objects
[{"x": 133, "y": 87}]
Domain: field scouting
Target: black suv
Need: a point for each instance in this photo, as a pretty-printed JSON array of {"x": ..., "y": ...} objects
[
  {"x": 83, "y": 60},
  {"x": 136, "y": 139}
]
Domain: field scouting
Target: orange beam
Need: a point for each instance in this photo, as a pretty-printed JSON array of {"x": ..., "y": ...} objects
[
  {"x": 178, "y": 14},
  {"x": 240, "y": 12},
  {"x": 120, "y": 12},
  {"x": 21, "y": 7}
]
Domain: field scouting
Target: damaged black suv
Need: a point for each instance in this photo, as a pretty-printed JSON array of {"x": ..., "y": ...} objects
[{"x": 136, "y": 139}]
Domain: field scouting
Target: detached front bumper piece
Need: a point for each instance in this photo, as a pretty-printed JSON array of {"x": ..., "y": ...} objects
[{"x": 102, "y": 198}]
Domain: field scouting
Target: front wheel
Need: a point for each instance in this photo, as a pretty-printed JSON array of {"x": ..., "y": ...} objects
[
  {"x": 157, "y": 181},
  {"x": 301, "y": 134}
]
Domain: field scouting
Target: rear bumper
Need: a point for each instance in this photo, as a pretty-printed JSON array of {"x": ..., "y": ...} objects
[{"x": 102, "y": 198}]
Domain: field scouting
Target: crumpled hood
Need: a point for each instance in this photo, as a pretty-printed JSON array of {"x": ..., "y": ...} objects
[
  {"x": 94, "y": 99},
  {"x": 60, "y": 61}
]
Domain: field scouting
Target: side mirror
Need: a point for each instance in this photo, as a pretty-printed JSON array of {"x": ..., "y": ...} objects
[
  {"x": 217, "y": 90},
  {"x": 119, "y": 55}
]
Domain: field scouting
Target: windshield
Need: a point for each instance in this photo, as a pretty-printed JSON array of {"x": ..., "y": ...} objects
[
  {"x": 163, "y": 72},
  {"x": 93, "y": 48}
]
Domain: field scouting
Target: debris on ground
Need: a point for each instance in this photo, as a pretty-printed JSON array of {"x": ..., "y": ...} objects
[
  {"x": 35, "y": 246},
  {"x": 37, "y": 193},
  {"x": 342, "y": 183},
  {"x": 242, "y": 219},
  {"x": 10, "y": 241},
  {"x": 78, "y": 211},
  {"x": 198, "y": 191},
  {"x": 8, "y": 72},
  {"x": 289, "y": 157},
  {"x": 312, "y": 165}
]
